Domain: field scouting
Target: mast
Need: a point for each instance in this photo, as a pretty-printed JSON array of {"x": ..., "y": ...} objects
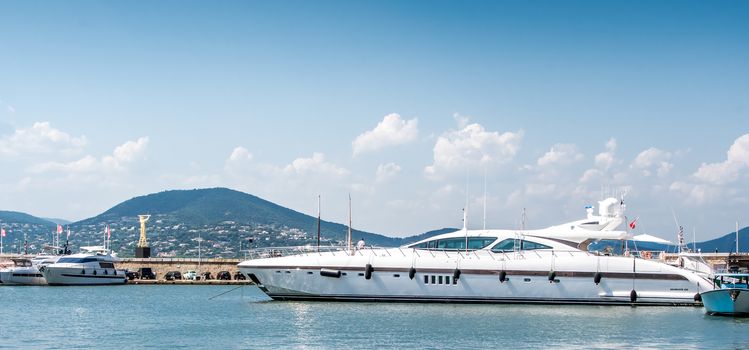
[
  {"x": 737, "y": 237},
  {"x": 348, "y": 236},
  {"x": 484, "y": 198},
  {"x": 694, "y": 240},
  {"x": 318, "y": 222}
]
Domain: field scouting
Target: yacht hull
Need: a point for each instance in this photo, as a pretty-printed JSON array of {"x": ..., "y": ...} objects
[
  {"x": 22, "y": 276},
  {"x": 70, "y": 276},
  {"x": 527, "y": 279},
  {"x": 728, "y": 302}
]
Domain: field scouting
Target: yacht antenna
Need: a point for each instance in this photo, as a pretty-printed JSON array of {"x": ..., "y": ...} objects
[
  {"x": 680, "y": 234},
  {"x": 318, "y": 222},
  {"x": 484, "y": 197},
  {"x": 465, "y": 213},
  {"x": 694, "y": 239},
  {"x": 348, "y": 237},
  {"x": 522, "y": 220}
]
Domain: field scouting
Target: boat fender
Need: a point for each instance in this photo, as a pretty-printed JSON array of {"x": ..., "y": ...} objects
[
  {"x": 330, "y": 273},
  {"x": 633, "y": 296},
  {"x": 412, "y": 272},
  {"x": 94, "y": 272},
  {"x": 368, "y": 271},
  {"x": 83, "y": 272},
  {"x": 552, "y": 275},
  {"x": 698, "y": 297},
  {"x": 106, "y": 272},
  {"x": 456, "y": 274},
  {"x": 502, "y": 276},
  {"x": 597, "y": 278}
]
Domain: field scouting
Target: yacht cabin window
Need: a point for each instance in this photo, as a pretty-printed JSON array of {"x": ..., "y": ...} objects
[
  {"x": 456, "y": 243},
  {"x": 509, "y": 245}
]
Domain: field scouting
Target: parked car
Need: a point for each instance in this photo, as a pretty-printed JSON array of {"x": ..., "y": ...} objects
[
  {"x": 146, "y": 273},
  {"x": 173, "y": 275},
  {"x": 223, "y": 275},
  {"x": 131, "y": 275},
  {"x": 239, "y": 276},
  {"x": 190, "y": 275},
  {"x": 207, "y": 275}
]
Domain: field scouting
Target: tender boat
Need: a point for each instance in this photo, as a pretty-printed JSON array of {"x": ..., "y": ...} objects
[
  {"x": 551, "y": 266},
  {"x": 26, "y": 271},
  {"x": 94, "y": 266},
  {"x": 732, "y": 296}
]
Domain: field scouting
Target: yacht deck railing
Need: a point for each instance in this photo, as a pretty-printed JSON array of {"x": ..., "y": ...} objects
[{"x": 274, "y": 252}]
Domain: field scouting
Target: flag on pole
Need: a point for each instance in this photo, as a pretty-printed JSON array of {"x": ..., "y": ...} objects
[
  {"x": 109, "y": 233},
  {"x": 68, "y": 236},
  {"x": 59, "y": 228},
  {"x": 633, "y": 223},
  {"x": 2, "y": 232}
]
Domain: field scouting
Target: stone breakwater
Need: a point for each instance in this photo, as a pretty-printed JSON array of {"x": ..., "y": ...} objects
[{"x": 160, "y": 266}]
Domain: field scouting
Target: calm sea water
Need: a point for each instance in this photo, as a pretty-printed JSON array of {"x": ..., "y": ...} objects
[{"x": 168, "y": 316}]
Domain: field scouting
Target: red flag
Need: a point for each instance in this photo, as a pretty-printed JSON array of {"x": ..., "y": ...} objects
[
  {"x": 633, "y": 223},
  {"x": 59, "y": 228},
  {"x": 2, "y": 232}
]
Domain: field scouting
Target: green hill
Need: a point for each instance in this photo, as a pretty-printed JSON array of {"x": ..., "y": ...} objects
[
  {"x": 219, "y": 209},
  {"x": 23, "y": 218}
]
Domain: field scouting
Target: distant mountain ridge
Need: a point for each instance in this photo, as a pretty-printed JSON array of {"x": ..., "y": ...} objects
[
  {"x": 211, "y": 206},
  {"x": 229, "y": 222},
  {"x": 23, "y": 218}
]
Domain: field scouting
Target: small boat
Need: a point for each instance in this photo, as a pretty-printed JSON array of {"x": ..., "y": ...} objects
[
  {"x": 26, "y": 271},
  {"x": 732, "y": 296},
  {"x": 95, "y": 266}
]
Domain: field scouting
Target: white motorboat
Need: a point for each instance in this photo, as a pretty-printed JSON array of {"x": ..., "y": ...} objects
[
  {"x": 26, "y": 271},
  {"x": 93, "y": 267},
  {"x": 549, "y": 265},
  {"x": 732, "y": 296}
]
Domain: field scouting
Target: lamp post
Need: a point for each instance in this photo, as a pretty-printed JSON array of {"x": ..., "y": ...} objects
[{"x": 199, "y": 255}]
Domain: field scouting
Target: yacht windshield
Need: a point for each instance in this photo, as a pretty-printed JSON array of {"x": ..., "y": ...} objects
[{"x": 71, "y": 260}]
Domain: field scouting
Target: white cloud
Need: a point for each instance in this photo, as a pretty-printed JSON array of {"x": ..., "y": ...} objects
[
  {"x": 40, "y": 139},
  {"x": 696, "y": 194},
  {"x": 653, "y": 158},
  {"x": 387, "y": 171},
  {"x": 127, "y": 152},
  {"x": 391, "y": 131},
  {"x": 737, "y": 160},
  {"x": 471, "y": 146},
  {"x": 240, "y": 154},
  {"x": 315, "y": 165},
  {"x": 590, "y": 175},
  {"x": 561, "y": 153},
  {"x": 604, "y": 160},
  {"x": 122, "y": 155}
]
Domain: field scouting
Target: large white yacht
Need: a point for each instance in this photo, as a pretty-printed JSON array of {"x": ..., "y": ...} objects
[
  {"x": 551, "y": 265},
  {"x": 95, "y": 266},
  {"x": 26, "y": 271}
]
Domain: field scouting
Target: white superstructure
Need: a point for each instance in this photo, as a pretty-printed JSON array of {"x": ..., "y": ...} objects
[
  {"x": 88, "y": 268},
  {"x": 550, "y": 265}
]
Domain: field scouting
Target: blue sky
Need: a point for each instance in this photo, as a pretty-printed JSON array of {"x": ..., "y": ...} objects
[{"x": 103, "y": 101}]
